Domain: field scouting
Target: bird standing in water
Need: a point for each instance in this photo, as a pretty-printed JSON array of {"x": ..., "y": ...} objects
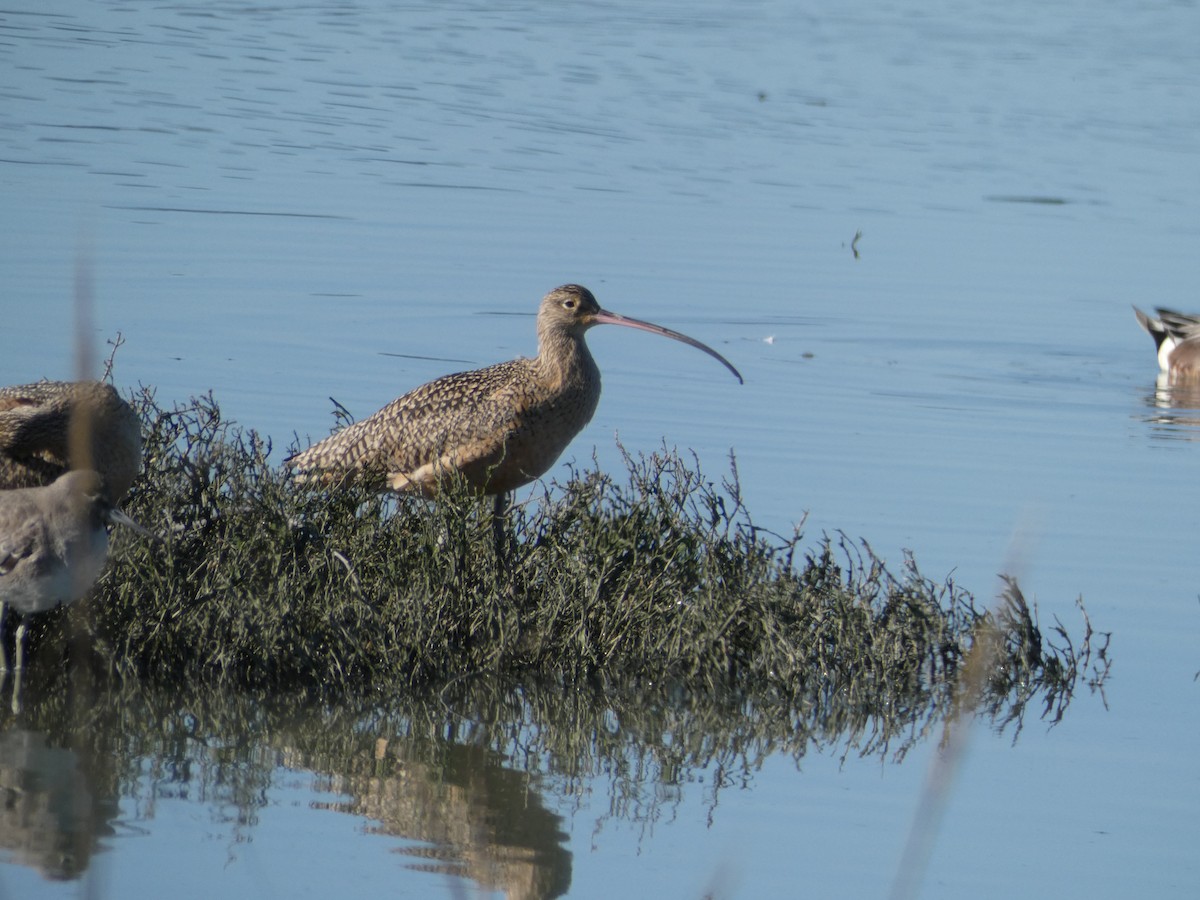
[
  {"x": 49, "y": 427},
  {"x": 499, "y": 428},
  {"x": 53, "y": 544}
]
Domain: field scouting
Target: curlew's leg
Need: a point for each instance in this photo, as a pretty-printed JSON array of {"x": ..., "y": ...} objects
[
  {"x": 3, "y": 654},
  {"x": 499, "y": 531}
]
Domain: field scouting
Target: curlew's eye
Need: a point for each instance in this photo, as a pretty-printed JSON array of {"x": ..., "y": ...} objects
[{"x": 570, "y": 303}]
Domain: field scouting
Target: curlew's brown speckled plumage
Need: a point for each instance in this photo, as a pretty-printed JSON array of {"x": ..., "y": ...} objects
[
  {"x": 37, "y": 425},
  {"x": 501, "y": 427}
]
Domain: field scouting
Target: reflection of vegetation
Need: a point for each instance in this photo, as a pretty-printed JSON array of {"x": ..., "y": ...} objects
[
  {"x": 409, "y": 768},
  {"x": 476, "y": 773}
]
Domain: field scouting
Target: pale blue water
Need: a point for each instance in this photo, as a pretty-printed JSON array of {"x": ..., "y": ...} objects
[{"x": 286, "y": 204}]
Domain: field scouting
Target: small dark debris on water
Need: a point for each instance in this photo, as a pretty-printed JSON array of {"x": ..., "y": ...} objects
[{"x": 1031, "y": 198}]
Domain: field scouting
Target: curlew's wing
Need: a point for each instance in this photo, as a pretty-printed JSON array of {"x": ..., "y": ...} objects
[
  {"x": 452, "y": 422},
  {"x": 29, "y": 426},
  {"x": 35, "y": 427}
]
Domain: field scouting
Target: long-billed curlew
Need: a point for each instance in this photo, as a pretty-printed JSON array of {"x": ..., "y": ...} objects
[
  {"x": 53, "y": 544},
  {"x": 500, "y": 427},
  {"x": 49, "y": 427}
]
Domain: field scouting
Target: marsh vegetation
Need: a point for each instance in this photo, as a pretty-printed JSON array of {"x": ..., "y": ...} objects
[{"x": 653, "y": 577}]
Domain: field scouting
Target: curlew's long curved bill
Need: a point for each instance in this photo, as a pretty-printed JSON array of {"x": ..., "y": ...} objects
[{"x": 604, "y": 317}]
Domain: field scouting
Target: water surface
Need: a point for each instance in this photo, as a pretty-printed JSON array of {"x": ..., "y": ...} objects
[{"x": 283, "y": 205}]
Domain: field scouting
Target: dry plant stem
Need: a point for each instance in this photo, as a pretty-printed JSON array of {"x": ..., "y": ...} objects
[{"x": 980, "y": 662}]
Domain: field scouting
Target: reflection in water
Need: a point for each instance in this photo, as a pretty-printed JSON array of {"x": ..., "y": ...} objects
[
  {"x": 49, "y": 810},
  {"x": 483, "y": 818},
  {"x": 472, "y": 773},
  {"x": 417, "y": 771},
  {"x": 1173, "y": 409}
]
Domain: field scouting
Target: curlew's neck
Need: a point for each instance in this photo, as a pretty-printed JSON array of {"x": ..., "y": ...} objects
[{"x": 563, "y": 357}]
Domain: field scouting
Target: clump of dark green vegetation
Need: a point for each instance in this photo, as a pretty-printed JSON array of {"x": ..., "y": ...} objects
[{"x": 659, "y": 576}]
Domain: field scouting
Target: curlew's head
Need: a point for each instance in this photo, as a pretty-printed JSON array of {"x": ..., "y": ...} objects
[{"x": 570, "y": 310}]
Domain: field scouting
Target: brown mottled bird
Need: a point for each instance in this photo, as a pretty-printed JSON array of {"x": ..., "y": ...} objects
[
  {"x": 49, "y": 427},
  {"x": 500, "y": 427}
]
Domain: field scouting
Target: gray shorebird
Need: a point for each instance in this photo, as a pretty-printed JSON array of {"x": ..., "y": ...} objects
[
  {"x": 1177, "y": 337},
  {"x": 500, "y": 427},
  {"x": 49, "y": 427},
  {"x": 53, "y": 544}
]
